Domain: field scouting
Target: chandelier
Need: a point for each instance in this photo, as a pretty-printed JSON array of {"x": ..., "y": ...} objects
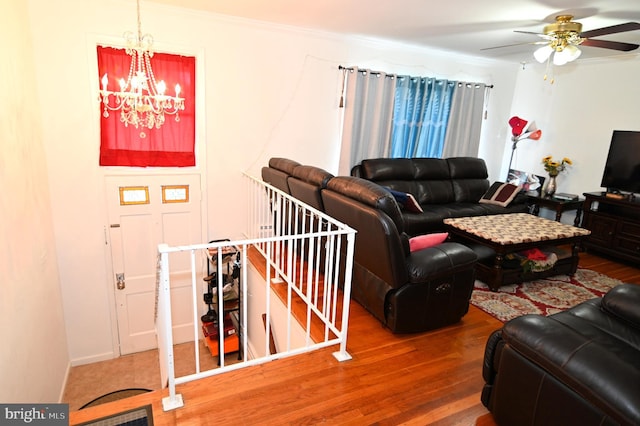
[
  {"x": 141, "y": 100},
  {"x": 564, "y": 37}
]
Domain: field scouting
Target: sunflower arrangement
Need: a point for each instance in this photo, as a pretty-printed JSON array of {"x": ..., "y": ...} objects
[{"x": 554, "y": 167}]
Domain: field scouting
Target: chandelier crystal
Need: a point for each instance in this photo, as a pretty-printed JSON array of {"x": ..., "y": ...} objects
[{"x": 141, "y": 100}]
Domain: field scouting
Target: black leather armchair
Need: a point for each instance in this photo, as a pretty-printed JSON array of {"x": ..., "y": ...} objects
[
  {"x": 407, "y": 291},
  {"x": 577, "y": 367}
]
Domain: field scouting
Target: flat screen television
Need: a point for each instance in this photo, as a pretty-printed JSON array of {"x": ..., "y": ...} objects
[{"x": 622, "y": 169}]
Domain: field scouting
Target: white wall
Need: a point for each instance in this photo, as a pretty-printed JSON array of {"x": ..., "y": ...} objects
[
  {"x": 34, "y": 358},
  {"x": 268, "y": 91},
  {"x": 577, "y": 114}
]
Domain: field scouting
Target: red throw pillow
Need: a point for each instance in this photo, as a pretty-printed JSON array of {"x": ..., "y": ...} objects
[{"x": 428, "y": 240}]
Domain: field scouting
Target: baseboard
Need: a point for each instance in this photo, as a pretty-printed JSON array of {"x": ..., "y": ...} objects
[
  {"x": 93, "y": 358},
  {"x": 64, "y": 383}
]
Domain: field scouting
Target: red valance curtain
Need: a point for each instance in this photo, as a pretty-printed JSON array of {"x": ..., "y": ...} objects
[{"x": 173, "y": 144}]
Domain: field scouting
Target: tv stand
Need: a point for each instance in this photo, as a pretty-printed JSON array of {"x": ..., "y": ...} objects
[
  {"x": 614, "y": 222},
  {"x": 614, "y": 193}
]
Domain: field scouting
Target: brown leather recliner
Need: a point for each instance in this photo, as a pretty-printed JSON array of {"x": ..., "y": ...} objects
[{"x": 407, "y": 291}]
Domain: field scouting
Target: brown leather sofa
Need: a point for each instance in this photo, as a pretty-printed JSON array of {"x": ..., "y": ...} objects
[
  {"x": 407, "y": 291},
  {"x": 278, "y": 171},
  {"x": 306, "y": 182},
  {"x": 444, "y": 188},
  {"x": 577, "y": 367}
]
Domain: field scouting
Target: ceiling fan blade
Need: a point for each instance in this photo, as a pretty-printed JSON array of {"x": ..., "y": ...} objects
[
  {"x": 544, "y": 36},
  {"x": 606, "y": 44},
  {"x": 620, "y": 28},
  {"x": 515, "y": 44}
]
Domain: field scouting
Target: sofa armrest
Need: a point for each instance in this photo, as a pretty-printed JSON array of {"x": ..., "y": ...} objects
[
  {"x": 623, "y": 303},
  {"x": 492, "y": 356},
  {"x": 588, "y": 368},
  {"x": 426, "y": 264}
]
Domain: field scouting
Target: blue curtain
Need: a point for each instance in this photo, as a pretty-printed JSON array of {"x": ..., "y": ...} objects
[{"x": 420, "y": 116}]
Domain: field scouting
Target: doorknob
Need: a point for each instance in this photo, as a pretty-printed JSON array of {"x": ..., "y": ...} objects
[{"x": 120, "y": 281}]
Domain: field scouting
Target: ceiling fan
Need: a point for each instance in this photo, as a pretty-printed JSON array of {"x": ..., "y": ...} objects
[{"x": 562, "y": 38}]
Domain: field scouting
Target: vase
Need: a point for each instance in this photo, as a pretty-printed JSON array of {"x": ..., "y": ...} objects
[{"x": 551, "y": 187}]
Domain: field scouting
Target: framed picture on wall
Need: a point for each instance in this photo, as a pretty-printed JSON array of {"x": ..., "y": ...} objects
[{"x": 531, "y": 183}]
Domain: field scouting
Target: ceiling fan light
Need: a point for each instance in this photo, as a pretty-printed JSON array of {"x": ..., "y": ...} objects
[
  {"x": 561, "y": 57},
  {"x": 543, "y": 53},
  {"x": 573, "y": 52}
]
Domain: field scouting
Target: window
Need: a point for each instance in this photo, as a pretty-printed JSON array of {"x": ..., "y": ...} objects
[
  {"x": 388, "y": 115},
  {"x": 420, "y": 116}
]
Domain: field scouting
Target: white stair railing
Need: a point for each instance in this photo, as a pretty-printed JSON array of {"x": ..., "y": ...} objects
[{"x": 292, "y": 255}]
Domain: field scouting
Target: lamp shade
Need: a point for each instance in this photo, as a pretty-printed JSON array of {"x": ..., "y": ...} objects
[
  {"x": 561, "y": 57},
  {"x": 517, "y": 125},
  {"x": 535, "y": 135},
  {"x": 573, "y": 52},
  {"x": 568, "y": 54},
  {"x": 543, "y": 53}
]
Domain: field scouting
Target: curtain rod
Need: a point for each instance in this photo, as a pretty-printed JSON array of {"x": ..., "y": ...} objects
[{"x": 340, "y": 67}]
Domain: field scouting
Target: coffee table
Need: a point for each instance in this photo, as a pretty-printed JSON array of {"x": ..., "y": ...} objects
[{"x": 495, "y": 236}]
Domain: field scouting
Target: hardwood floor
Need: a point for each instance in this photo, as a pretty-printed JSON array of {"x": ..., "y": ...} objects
[{"x": 428, "y": 378}]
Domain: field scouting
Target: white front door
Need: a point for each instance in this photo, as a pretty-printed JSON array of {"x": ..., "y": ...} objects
[{"x": 145, "y": 211}]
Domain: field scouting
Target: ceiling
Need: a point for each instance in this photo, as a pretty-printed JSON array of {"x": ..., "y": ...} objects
[{"x": 463, "y": 26}]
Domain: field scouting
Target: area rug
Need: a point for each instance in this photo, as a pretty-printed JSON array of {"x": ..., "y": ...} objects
[{"x": 543, "y": 297}]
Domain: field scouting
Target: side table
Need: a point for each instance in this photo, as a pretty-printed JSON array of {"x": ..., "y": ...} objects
[{"x": 558, "y": 205}]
